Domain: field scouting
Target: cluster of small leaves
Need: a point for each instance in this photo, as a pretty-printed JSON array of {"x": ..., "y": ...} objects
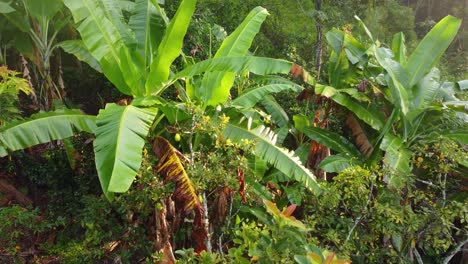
[
  {"x": 188, "y": 256},
  {"x": 10, "y": 88},
  {"x": 92, "y": 229},
  {"x": 360, "y": 217},
  {"x": 19, "y": 228},
  {"x": 218, "y": 168},
  {"x": 273, "y": 242},
  {"x": 276, "y": 237},
  {"x": 440, "y": 156},
  {"x": 116, "y": 232}
]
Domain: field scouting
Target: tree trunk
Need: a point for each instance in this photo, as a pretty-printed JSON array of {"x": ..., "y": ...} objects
[
  {"x": 319, "y": 40},
  {"x": 11, "y": 192}
]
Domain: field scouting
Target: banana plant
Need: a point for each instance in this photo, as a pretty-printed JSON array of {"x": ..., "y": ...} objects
[
  {"x": 37, "y": 24},
  {"x": 136, "y": 55},
  {"x": 410, "y": 85}
]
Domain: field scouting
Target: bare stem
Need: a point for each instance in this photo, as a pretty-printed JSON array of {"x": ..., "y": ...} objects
[
  {"x": 418, "y": 257},
  {"x": 455, "y": 251},
  {"x": 358, "y": 220},
  {"x": 444, "y": 194},
  {"x": 207, "y": 224},
  {"x": 426, "y": 182}
]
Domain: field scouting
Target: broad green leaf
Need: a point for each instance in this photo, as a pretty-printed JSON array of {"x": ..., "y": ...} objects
[
  {"x": 365, "y": 28},
  {"x": 336, "y": 163},
  {"x": 346, "y": 53},
  {"x": 173, "y": 112},
  {"x": 251, "y": 97},
  {"x": 170, "y": 46},
  {"x": 399, "y": 47},
  {"x": 369, "y": 117},
  {"x": 120, "y": 137},
  {"x": 5, "y": 8},
  {"x": 281, "y": 133},
  {"x": 98, "y": 33},
  {"x": 132, "y": 68},
  {"x": 126, "y": 5},
  {"x": 335, "y": 38},
  {"x": 279, "y": 157},
  {"x": 330, "y": 140},
  {"x": 431, "y": 48},
  {"x": 215, "y": 86},
  {"x": 447, "y": 92},
  {"x": 355, "y": 51},
  {"x": 70, "y": 151},
  {"x": 301, "y": 121},
  {"x": 397, "y": 155},
  {"x": 238, "y": 43},
  {"x": 458, "y": 135},
  {"x": 463, "y": 85},
  {"x": 425, "y": 92},
  {"x": 102, "y": 39},
  {"x": 397, "y": 242},
  {"x": 302, "y": 259},
  {"x": 256, "y": 65},
  {"x": 43, "y": 8},
  {"x": 148, "y": 27},
  {"x": 3, "y": 151},
  {"x": 44, "y": 127},
  {"x": 276, "y": 111},
  {"x": 355, "y": 94},
  {"x": 398, "y": 82},
  {"x": 113, "y": 11},
  {"x": 113, "y": 72},
  {"x": 339, "y": 70},
  {"x": 261, "y": 215},
  {"x": 257, "y": 165},
  {"x": 20, "y": 21},
  {"x": 79, "y": 50}
]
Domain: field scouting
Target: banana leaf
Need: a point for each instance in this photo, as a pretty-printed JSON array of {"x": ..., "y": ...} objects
[
  {"x": 251, "y": 97},
  {"x": 120, "y": 136},
  {"x": 431, "y": 48},
  {"x": 43, "y": 128},
  {"x": 266, "y": 148},
  {"x": 170, "y": 46},
  {"x": 215, "y": 86}
]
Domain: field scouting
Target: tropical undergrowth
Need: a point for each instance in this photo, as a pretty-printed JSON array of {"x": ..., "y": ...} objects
[{"x": 200, "y": 162}]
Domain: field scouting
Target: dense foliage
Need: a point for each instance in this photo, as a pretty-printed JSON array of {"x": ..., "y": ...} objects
[{"x": 152, "y": 131}]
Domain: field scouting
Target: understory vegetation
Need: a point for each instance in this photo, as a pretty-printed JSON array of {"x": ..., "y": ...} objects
[{"x": 144, "y": 131}]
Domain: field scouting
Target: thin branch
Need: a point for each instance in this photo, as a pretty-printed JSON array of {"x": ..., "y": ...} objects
[
  {"x": 418, "y": 257},
  {"x": 455, "y": 251},
  {"x": 358, "y": 220},
  {"x": 354, "y": 226},
  {"x": 444, "y": 194},
  {"x": 207, "y": 224},
  {"x": 427, "y": 182}
]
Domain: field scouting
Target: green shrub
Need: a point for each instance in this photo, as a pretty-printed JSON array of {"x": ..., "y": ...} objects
[
  {"x": 20, "y": 228},
  {"x": 359, "y": 216}
]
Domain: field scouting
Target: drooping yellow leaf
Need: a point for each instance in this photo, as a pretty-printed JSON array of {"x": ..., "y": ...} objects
[{"x": 171, "y": 168}]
